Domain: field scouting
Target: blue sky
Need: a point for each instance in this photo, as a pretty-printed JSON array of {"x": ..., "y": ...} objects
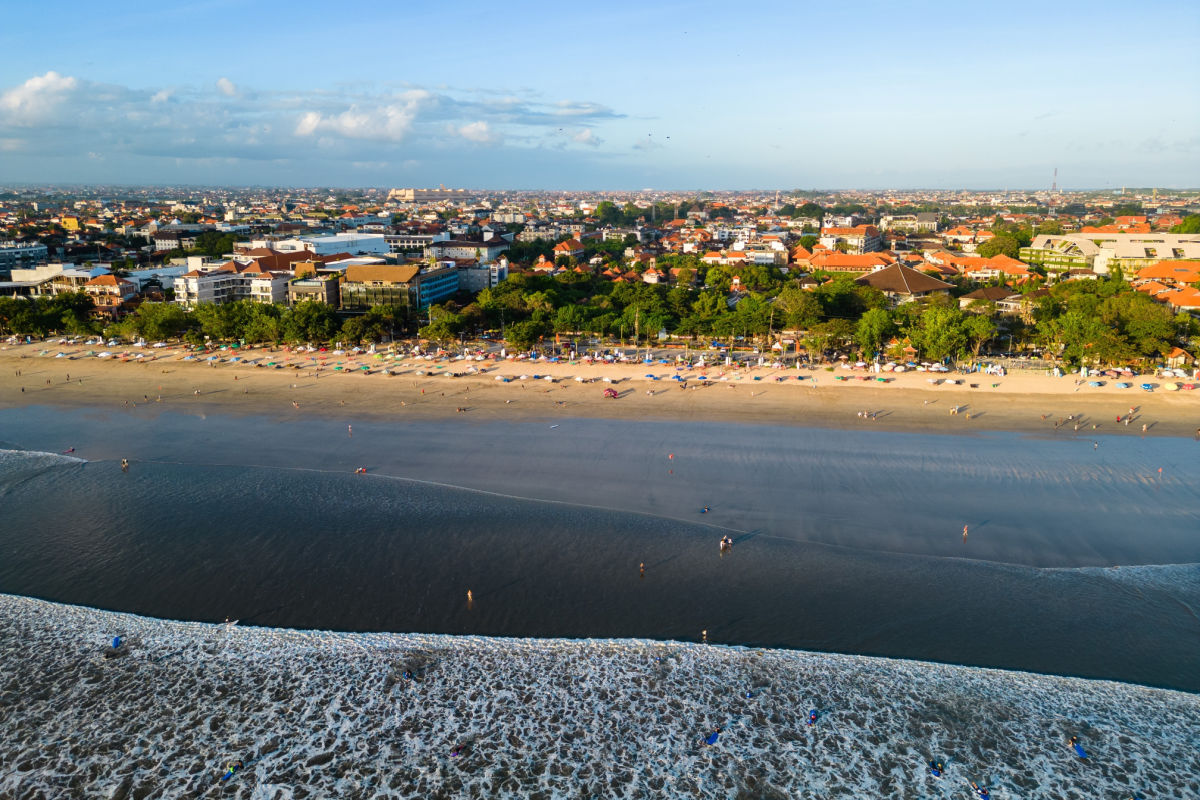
[{"x": 616, "y": 95}]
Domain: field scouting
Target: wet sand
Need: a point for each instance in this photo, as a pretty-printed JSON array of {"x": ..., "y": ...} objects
[{"x": 349, "y": 386}]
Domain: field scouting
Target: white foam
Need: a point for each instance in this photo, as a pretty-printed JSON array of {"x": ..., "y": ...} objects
[
  {"x": 333, "y": 712},
  {"x": 12, "y": 456}
]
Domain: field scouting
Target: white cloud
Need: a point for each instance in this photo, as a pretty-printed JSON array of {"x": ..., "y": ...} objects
[
  {"x": 587, "y": 136},
  {"x": 477, "y": 131},
  {"x": 56, "y": 116},
  {"x": 35, "y": 100}
]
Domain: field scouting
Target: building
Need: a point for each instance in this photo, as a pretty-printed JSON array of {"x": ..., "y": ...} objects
[
  {"x": 857, "y": 240},
  {"x": 903, "y": 284},
  {"x": 352, "y": 243},
  {"x": 487, "y": 249},
  {"x": 1104, "y": 251},
  {"x": 110, "y": 294},
  {"x": 474, "y": 277},
  {"x": 407, "y": 285},
  {"x": 439, "y": 195},
  {"x": 21, "y": 254},
  {"x": 924, "y": 222}
]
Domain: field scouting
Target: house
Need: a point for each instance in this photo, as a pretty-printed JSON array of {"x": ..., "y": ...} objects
[
  {"x": 903, "y": 284},
  {"x": 110, "y": 293},
  {"x": 573, "y": 248},
  {"x": 1178, "y": 357},
  {"x": 833, "y": 261},
  {"x": 986, "y": 294},
  {"x": 857, "y": 240}
]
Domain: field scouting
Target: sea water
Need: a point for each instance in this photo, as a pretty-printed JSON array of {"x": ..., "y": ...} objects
[{"x": 1082, "y": 559}]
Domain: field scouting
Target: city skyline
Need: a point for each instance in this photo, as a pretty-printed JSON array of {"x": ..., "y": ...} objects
[{"x": 620, "y": 98}]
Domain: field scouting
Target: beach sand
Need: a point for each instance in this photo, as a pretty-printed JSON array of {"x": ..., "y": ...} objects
[{"x": 357, "y": 386}]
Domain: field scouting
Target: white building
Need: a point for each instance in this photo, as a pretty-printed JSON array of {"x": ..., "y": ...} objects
[{"x": 353, "y": 243}]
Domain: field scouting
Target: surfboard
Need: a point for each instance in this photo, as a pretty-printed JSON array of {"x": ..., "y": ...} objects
[
  {"x": 1079, "y": 751},
  {"x": 712, "y": 737}
]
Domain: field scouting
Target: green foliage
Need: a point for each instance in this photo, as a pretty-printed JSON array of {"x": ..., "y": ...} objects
[
  {"x": 153, "y": 322},
  {"x": 873, "y": 329},
  {"x": 444, "y": 325},
  {"x": 1000, "y": 243},
  {"x": 214, "y": 243},
  {"x": 1189, "y": 224},
  {"x": 524, "y": 335},
  {"x": 43, "y": 316},
  {"x": 940, "y": 333}
]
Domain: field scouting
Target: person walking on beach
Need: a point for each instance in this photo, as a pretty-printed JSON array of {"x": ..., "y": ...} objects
[
  {"x": 124, "y": 465},
  {"x": 349, "y": 430}
]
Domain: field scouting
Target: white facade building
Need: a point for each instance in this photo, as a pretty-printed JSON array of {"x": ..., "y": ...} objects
[{"x": 352, "y": 243}]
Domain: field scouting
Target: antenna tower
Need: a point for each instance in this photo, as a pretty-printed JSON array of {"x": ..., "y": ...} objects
[{"x": 1054, "y": 185}]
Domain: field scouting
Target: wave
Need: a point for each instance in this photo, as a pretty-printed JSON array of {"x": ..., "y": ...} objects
[
  {"x": 16, "y": 455},
  {"x": 412, "y": 715}
]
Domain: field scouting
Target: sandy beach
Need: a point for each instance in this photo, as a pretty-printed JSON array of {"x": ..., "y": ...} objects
[{"x": 349, "y": 385}]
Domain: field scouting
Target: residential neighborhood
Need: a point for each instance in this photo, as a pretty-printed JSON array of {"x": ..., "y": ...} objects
[{"x": 478, "y": 261}]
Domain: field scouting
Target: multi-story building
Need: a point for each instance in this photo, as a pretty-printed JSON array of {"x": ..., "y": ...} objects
[
  {"x": 857, "y": 240},
  {"x": 408, "y": 285},
  {"x": 439, "y": 195},
  {"x": 21, "y": 254},
  {"x": 352, "y": 243},
  {"x": 110, "y": 294},
  {"x": 480, "y": 249},
  {"x": 1102, "y": 251},
  {"x": 477, "y": 277},
  {"x": 923, "y": 222}
]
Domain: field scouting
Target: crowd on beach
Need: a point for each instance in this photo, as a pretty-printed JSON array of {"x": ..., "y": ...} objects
[{"x": 432, "y": 375}]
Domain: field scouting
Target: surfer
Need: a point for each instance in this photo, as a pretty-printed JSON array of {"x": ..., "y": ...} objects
[
  {"x": 704, "y": 510},
  {"x": 965, "y": 532},
  {"x": 69, "y": 450},
  {"x": 982, "y": 791},
  {"x": 642, "y": 569},
  {"x": 936, "y": 768},
  {"x": 124, "y": 465},
  {"x": 1077, "y": 747},
  {"x": 812, "y": 717},
  {"x": 232, "y": 769}
]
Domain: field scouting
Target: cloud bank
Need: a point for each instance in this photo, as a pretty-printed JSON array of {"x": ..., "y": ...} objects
[{"x": 57, "y": 115}]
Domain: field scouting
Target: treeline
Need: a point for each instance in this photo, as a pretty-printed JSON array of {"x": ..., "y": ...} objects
[{"x": 1094, "y": 322}]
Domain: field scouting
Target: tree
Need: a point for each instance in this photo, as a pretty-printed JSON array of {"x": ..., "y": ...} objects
[
  {"x": 800, "y": 308},
  {"x": 873, "y": 329},
  {"x": 979, "y": 329},
  {"x": 154, "y": 322},
  {"x": 311, "y": 321},
  {"x": 444, "y": 325},
  {"x": 1000, "y": 243},
  {"x": 808, "y": 241},
  {"x": 523, "y": 335},
  {"x": 1189, "y": 224},
  {"x": 1051, "y": 226},
  {"x": 941, "y": 332}
]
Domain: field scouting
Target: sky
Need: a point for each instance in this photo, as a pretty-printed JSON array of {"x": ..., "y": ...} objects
[{"x": 603, "y": 95}]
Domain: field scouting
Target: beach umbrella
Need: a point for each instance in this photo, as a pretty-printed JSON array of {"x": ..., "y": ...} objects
[{"x": 1171, "y": 387}]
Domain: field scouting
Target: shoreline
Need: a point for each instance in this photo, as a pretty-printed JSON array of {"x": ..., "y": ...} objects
[{"x": 337, "y": 386}]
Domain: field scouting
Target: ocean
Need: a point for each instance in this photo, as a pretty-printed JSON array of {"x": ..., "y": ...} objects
[{"x": 1082, "y": 558}]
